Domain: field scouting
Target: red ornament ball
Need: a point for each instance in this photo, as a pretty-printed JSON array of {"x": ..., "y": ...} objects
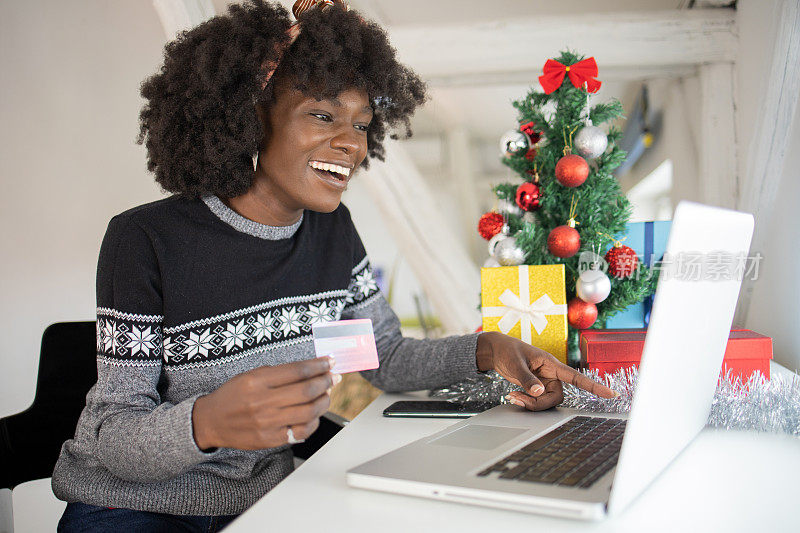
[
  {"x": 490, "y": 224},
  {"x": 572, "y": 170},
  {"x": 580, "y": 314},
  {"x": 622, "y": 261},
  {"x": 564, "y": 241},
  {"x": 528, "y": 196}
]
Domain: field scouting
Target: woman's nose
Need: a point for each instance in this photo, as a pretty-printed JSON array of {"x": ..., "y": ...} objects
[{"x": 348, "y": 140}]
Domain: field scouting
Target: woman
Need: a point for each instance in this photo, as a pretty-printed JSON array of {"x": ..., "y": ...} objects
[{"x": 206, "y": 369}]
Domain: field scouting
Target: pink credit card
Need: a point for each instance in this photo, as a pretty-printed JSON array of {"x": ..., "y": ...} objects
[{"x": 350, "y": 342}]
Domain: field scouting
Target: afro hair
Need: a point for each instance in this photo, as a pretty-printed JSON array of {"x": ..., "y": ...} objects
[{"x": 199, "y": 123}]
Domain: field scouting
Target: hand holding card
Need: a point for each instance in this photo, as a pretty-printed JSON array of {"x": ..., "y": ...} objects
[{"x": 350, "y": 342}]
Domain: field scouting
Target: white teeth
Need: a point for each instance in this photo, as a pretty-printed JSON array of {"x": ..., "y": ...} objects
[{"x": 330, "y": 167}]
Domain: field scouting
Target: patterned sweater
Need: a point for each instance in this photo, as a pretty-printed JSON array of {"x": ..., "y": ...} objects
[{"x": 190, "y": 294}]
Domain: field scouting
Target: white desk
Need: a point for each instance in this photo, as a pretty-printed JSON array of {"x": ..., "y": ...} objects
[{"x": 724, "y": 481}]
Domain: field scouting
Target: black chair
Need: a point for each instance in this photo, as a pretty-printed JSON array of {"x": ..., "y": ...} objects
[{"x": 30, "y": 441}]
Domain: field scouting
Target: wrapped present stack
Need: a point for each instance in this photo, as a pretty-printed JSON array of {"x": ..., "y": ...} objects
[{"x": 607, "y": 351}]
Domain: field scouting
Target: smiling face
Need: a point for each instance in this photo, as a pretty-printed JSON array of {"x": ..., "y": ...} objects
[{"x": 310, "y": 150}]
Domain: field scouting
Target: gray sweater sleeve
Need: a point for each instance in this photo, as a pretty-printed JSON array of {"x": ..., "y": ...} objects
[
  {"x": 413, "y": 364},
  {"x": 139, "y": 437}
]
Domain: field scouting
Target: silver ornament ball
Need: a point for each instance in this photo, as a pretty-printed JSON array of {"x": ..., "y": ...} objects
[
  {"x": 508, "y": 253},
  {"x": 509, "y": 207},
  {"x": 591, "y": 261},
  {"x": 513, "y": 142},
  {"x": 593, "y": 286},
  {"x": 494, "y": 240},
  {"x": 591, "y": 142},
  {"x": 491, "y": 263}
]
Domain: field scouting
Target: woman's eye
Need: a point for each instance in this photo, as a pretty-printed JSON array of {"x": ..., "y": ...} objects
[{"x": 327, "y": 118}]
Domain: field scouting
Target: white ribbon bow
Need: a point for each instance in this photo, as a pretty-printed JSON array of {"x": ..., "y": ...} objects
[{"x": 517, "y": 308}]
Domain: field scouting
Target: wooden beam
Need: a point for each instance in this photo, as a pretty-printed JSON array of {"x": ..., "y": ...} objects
[
  {"x": 719, "y": 184},
  {"x": 530, "y": 76},
  {"x": 616, "y": 40}
]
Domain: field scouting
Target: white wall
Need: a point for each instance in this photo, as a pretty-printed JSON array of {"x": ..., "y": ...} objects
[
  {"x": 71, "y": 75},
  {"x": 68, "y": 162}
]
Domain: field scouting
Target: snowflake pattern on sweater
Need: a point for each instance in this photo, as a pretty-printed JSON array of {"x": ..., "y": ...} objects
[{"x": 139, "y": 340}]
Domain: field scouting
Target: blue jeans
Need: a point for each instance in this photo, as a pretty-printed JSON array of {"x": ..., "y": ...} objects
[{"x": 80, "y": 517}]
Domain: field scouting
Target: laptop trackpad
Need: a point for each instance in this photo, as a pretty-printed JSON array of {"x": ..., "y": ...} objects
[{"x": 479, "y": 436}]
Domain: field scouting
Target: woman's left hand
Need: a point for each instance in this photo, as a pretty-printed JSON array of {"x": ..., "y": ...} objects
[{"x": 533, "y": 369}]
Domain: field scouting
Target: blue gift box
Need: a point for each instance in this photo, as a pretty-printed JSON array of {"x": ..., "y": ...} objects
[{"x": 649, "y": 240}]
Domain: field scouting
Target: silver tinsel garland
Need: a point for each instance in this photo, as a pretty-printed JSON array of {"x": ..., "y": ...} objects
[{"x": 756, "y": 404}]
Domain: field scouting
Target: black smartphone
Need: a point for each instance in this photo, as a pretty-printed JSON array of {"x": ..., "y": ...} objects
[{"x": 436, "y": 409}]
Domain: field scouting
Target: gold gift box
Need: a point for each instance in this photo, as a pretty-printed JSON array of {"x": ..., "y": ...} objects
[{"x": 528, "y": 302}]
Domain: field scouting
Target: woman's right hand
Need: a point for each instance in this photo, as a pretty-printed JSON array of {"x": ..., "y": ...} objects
[{"x": 254, "y": 410}]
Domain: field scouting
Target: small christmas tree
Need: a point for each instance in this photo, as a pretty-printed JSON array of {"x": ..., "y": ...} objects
[{"x": 569, "y": 201}]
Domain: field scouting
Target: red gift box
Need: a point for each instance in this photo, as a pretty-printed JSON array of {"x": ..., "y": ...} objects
[{"x": 608, "y": 350}]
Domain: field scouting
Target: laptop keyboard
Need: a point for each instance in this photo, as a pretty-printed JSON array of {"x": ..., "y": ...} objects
[{"x": 575, "y": 454}]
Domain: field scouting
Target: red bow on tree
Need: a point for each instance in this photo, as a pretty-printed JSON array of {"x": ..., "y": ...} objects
[{"x": 579, "y": 73}]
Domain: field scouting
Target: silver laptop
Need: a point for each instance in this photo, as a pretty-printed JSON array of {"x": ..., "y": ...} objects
[{"x": 582, "y": 465}]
